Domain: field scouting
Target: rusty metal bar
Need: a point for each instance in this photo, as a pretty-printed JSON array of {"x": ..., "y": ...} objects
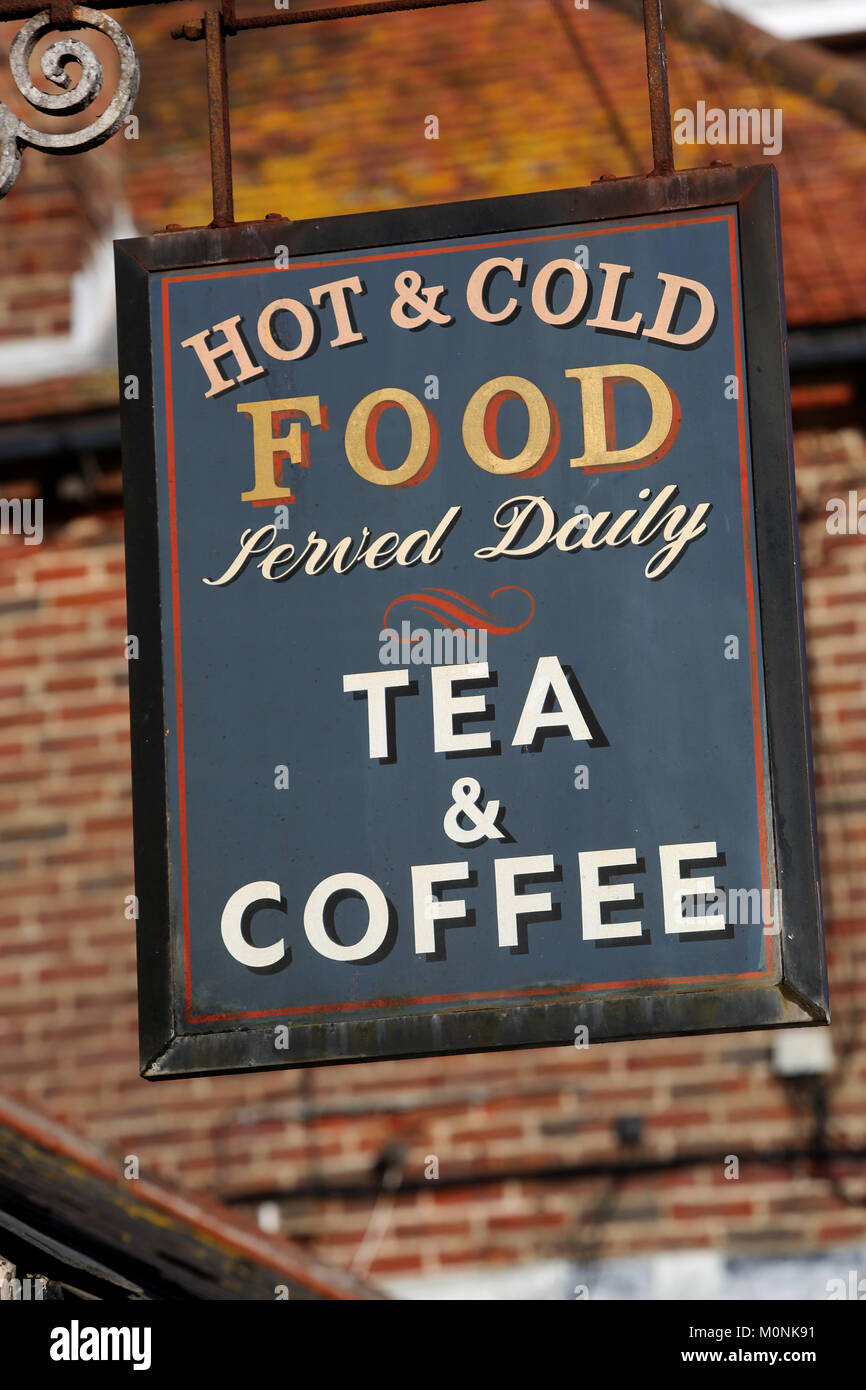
[
  {"x": 218, "y": 120},
  {"x": 657, "y": 79},
  {"x": 233, "y": 25},
  {"x": 344, "y": 12},
  {"x": 24, "y": 9}
]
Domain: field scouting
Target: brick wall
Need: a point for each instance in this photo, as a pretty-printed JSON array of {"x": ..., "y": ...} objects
[{"x": 319, "y": 1140}]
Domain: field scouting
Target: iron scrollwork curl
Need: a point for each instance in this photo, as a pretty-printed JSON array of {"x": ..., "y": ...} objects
[{"x": 15, "y": 134}]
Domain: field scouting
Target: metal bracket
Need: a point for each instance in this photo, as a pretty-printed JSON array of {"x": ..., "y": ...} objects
[
  {"x": 15, "y": 134},
  {"x": 213, "y": 28}
]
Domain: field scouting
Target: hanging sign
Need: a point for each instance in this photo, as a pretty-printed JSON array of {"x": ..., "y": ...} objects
[{"x": 468, "y": 702}]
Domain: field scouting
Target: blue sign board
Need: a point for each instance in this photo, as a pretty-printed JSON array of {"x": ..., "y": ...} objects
[{"x": 457, "y": 714}]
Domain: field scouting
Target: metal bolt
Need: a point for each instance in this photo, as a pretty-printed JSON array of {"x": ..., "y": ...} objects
[{"x": 193, "y": 30}]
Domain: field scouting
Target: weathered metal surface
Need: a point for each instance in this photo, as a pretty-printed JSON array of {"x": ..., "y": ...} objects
[
  {"x": 15, "y": 134},
  {"x": 213, "y": 28},
  {"x": 657, "y": 77},
  {"x": 221, "y": 1018},
  {"x": 218, "y": 121},
  {"x": 22, "y": 9},
  {"x": 233, "y": 24},
  {"x": 70, "y": 1212}
]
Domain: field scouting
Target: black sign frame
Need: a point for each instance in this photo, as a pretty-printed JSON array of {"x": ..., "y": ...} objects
[{"x": 800, "y": 995}]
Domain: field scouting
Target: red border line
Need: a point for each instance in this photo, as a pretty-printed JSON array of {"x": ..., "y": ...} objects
[
  {"x": 528, "y": 992},
  {"x": 532, "y": 990},
  {"x": 447, "y": 250}
]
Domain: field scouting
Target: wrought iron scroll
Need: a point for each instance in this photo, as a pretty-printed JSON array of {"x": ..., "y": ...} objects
[{"x": 73, "y": 98}]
